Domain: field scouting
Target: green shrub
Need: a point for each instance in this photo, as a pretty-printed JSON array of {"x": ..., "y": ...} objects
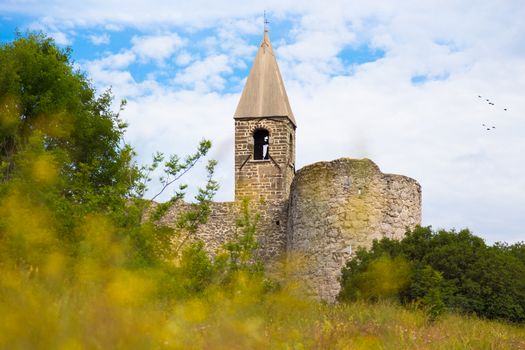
[{"x": 448, "y": 270}]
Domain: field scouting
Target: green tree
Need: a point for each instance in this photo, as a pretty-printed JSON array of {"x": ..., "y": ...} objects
[
  {"x": 62, "y": 153},
  {"x": 456, "y": 270},
  {"x": 42, "y": 95}
]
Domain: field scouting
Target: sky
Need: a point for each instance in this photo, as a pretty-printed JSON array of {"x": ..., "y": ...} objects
[{"x": 397, "y": 82}]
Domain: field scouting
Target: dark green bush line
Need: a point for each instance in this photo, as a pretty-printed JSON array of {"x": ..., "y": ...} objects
[{"x": 444, "y": 270}]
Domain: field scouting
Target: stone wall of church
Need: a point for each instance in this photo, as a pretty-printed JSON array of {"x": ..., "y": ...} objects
[
  {"x": 336, "y": 207},
  {"x": 267, "y": 180},
  {"x": 221, "y": 225}
]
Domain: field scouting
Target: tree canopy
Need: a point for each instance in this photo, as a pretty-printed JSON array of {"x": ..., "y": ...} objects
[
  {"x": 43, "y": 96},
  {"x": 443, "y": 269}
]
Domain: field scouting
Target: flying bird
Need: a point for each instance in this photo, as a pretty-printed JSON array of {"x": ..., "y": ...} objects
[{"x": 490, "y": 127}]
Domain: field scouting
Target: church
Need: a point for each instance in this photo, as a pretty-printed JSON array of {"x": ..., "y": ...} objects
[{"x": 321, "y": 212}]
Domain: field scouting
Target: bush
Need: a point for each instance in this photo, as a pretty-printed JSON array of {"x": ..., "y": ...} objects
[{"x": 447, "y": 270}]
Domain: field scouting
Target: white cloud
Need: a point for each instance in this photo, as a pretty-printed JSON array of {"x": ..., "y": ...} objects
[
  {"x": 111, "y": 71},
  {"x": 205, "y": 75},
  {"x": 183, "y": 58},
  {"x": 156, "y": 47},
  {"x": 171, "y": 122},
  {"x": 53, "y": 31},
  {"x": 102, "y": 39},
  {"x": 113, "y": 27},
  {"x": 60, "y": 38},
  {"x": 117, "y": 61}
]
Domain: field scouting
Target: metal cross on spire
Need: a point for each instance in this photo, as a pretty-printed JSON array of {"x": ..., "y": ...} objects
[{"x": 266, "y": 22}]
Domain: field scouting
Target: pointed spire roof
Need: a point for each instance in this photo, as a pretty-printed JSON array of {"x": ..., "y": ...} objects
[{"x": 264, "y": 94}]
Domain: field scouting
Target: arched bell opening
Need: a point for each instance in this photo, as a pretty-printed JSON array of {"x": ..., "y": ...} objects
[{"x": 261, "y": 144}]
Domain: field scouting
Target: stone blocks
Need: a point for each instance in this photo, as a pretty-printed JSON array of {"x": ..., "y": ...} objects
[{"x": 336, "y": 207}]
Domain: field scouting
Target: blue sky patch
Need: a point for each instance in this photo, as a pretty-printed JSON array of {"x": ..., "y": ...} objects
[
  {"x": 420, "y": 79},
  {"x": 352, "y": 55},
  {"x": 9, "y": 25}
]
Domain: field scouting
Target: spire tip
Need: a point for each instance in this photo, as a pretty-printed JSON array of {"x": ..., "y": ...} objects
[{"x": 266, "y": 22}]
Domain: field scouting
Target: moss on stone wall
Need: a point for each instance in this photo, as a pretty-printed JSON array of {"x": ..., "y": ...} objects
[{"x": 338, "y": 206}]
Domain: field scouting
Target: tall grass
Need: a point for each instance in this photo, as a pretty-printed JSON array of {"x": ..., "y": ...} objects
[{"x": 117, "y": 309}]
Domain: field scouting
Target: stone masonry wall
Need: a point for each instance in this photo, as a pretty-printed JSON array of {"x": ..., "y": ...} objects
[
  {"x": 338, "y": 206},
  {"x": 267, "y": 180},
  {"x": 221, "y": 226}
]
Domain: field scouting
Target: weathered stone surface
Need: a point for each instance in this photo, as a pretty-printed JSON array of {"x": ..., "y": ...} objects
[
  {"x": 267, "y": 180},
  {"x": 221, "y": 226},
  {"x": 336, "y": 207}
]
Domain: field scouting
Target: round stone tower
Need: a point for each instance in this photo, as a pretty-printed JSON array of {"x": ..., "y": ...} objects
[{"x": 339, "y": 206}]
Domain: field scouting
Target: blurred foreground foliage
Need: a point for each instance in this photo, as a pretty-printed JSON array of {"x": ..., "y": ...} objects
[
  {"x": 439, "y": 271},
  {"x": 84, "y": 264}
]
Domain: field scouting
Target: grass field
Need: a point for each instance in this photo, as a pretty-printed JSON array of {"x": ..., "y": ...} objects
[{"x": 122, "y": 314}]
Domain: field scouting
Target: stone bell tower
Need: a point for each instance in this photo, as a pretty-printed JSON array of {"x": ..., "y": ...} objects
[{"x": 264, "y": 132}]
